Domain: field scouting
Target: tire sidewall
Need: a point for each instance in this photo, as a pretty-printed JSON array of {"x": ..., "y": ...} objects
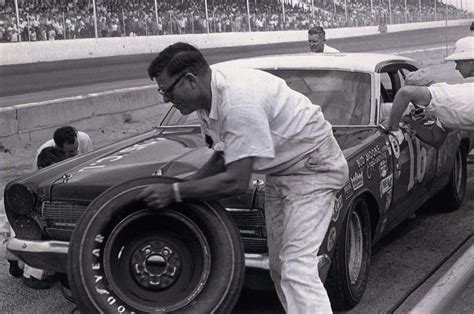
[
  {"x": 357, "y": 289},
  {"x": 89, "y": 284}
]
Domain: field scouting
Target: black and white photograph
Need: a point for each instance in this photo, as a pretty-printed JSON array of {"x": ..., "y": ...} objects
[{"x": 245, "y": 156}]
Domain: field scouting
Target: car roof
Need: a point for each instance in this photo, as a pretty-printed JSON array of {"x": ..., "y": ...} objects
[{"x": 360, "y": 62}]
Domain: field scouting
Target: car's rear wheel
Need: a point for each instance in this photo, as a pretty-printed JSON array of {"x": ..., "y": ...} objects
[
  {"x": 349, "y": 272},
  {"x": 452, "y": 197},
  {"x": 126, "y": 257}
]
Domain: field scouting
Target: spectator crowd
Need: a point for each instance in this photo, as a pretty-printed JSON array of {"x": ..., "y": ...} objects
[{"x": 71, "y": 19}]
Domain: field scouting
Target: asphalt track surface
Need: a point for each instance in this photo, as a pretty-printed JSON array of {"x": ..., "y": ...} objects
[{"x": 26, "y": 83}]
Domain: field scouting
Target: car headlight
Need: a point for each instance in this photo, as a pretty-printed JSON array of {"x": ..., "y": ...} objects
[{"x": 20, "y": 198}]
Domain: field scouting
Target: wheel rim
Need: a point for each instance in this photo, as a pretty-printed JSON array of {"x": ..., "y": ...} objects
[
  {"x": 356, "y": 247},
  {"x": 162, "y": 267},
  {"x": 458, "y": 172}
]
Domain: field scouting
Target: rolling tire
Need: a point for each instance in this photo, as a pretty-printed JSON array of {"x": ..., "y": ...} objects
[
  {"x": 125, "y": 257},
  {"x": 452, "y": 196},
  {"x": 349, "y": 272}
]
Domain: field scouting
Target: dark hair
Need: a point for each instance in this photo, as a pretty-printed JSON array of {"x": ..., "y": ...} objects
[
  {"x": 50, "y": 155},
  {"x": 316, "y": 30},
  {"x": 65, "y": 134},
  {"x": 177, "y": 58}
]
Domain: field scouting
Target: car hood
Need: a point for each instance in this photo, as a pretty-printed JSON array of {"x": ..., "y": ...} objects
[{"x": 167, "y": 151}]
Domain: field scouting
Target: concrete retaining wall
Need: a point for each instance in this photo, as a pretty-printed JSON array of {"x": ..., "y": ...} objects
[
  {"x": 35, "y": 122},
  {"x": 44, "y": 51}
]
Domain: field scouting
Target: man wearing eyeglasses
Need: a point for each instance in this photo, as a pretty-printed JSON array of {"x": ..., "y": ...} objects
[
  {"x": 263, "y": 126},
  {"x": 69, "y": 140}
]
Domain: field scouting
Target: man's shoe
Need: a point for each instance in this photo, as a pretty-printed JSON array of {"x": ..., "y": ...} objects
[
  {"x": 38, "y": 284},
  {"x": 14, "y": 269}
]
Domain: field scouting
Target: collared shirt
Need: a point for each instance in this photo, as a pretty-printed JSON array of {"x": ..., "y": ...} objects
[
  {"x": 84, "y": 146},
  {"x": 329, "y": 49},
  {"x": 453, "y": 105},
  {"x": 256, "y": 114}
]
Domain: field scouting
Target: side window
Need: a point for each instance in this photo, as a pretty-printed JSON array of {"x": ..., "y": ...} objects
[
  {"x": 386, "y": 89},
  {"x": 403, "y": 74}
]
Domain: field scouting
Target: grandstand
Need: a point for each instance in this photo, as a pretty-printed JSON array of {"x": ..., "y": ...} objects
[{"x": 39, "y": 20}]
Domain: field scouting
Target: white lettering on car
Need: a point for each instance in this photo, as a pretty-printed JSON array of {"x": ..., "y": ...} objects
[
  {"x": 420, "y": 155},
  {"x": 96, "y": 266},
  {"x": 386, "y": 184},
  {"x": 91, "y": 168},
  {"x": 96, "y": 252},
  {"x": 95, "y": 165}
]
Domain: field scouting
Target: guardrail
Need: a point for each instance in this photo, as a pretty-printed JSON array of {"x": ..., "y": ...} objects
[{"x": 453, "y": 283}]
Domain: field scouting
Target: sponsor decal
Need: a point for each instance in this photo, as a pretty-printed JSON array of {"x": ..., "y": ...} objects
[
  {"x": 387, "y": 147},
  {"x": 360, "y": 161},
  {"x": 337, "y": 207},
  {"x": 357, "y": 180},
  {"x": 375, "y": 155},
  {"x": 348, "y": 189},
  {"x": 395, "y": 146},
  {"x": 398, "y": 170},
  {"x": 383, "y": 167},
  {"x": 388, "y": 200},
  {"x": 331, "y": 239},
  {"x": 370, "y": 170},
  {"x": 386, "y": 184}
]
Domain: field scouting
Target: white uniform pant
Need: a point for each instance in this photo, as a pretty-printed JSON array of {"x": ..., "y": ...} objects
[{"x": 298, "y": 207}]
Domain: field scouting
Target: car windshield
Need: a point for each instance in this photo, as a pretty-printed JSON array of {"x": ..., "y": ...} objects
[{"x": 344, "y": 96}]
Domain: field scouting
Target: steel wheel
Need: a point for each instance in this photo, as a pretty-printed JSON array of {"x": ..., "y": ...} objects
[
  {"x": 349, "y": 272},
  {"x": 164, "y": 267}
]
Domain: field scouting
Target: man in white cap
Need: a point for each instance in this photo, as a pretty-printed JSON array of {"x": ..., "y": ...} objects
[{"x": 452, "y": 104}]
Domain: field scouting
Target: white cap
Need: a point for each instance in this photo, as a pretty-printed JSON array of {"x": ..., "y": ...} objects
[{"x": 464, "y": 49}]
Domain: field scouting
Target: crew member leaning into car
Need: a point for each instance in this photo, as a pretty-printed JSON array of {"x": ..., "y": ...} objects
[
  {"x": 66, "y": 142},
  {"x": 452, "y": 104},
  {"x": 69, "y": 140},
  {"x": 262, "y": 126}
]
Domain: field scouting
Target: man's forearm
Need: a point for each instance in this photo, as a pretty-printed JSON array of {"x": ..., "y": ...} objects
[
  {"x": 399, "y": 106},
  {"x": 215, "y": 165}
]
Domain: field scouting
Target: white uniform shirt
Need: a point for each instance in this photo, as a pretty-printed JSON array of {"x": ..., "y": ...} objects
[
  {"x": 329, "y": 49},
  {"x": 84, "y": 146},
  {"x": 453, "y": 105},
  {"x": 256, "y": 114}
]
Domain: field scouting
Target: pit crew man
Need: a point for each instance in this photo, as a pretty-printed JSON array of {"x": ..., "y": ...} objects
[{"x": 262, "y": 126}]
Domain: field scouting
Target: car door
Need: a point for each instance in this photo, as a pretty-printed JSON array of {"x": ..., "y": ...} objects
[{"x": 414, "y": 162}]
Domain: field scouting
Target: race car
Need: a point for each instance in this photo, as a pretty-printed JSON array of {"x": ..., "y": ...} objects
[{"x": 79, "y": 216}]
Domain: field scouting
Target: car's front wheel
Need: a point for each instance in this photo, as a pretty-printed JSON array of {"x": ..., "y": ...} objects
[
  {"x": 349, "y": 270},
  {"x": 128, "y": 258}
]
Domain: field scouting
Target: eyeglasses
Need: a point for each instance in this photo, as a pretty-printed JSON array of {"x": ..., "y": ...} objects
[{"x": 167, "y": 92}]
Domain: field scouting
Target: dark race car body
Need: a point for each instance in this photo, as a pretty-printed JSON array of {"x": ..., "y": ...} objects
[{"x": 387, "y": 181}]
